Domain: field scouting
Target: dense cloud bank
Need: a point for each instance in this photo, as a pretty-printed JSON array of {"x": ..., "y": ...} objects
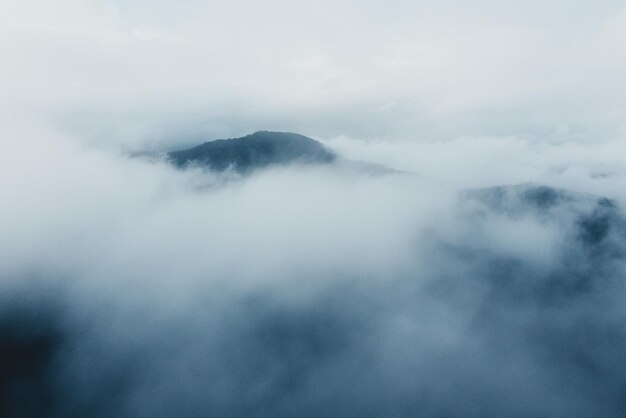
[
  {"x": 130, "y": 288},
  {"x": 461, "y": 254}
]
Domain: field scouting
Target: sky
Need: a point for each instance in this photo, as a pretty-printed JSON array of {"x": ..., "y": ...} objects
[
  {"x": 139, "y": 73},
  {"x": 480, "y": 273}
]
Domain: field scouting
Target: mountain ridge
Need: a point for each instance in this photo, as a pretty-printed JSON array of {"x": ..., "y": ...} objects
[{"x": 257, "y": 150}]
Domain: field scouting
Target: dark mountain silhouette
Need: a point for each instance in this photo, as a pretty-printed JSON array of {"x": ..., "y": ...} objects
[{"x": 258, "y": 150}]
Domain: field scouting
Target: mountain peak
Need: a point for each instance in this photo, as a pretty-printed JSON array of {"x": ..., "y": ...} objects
[{"x": 258, "y": 150}]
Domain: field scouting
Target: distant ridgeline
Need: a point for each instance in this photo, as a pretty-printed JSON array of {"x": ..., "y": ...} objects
[{"x": 258, "y": 150}]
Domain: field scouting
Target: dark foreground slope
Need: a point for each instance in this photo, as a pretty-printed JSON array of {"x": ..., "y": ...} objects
[{"x": 258, "y": 150}]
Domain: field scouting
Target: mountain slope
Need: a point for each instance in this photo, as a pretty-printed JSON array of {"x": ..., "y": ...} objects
[{"x": 258, "y": 150}]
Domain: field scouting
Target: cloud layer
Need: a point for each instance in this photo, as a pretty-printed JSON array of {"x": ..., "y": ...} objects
[
  {"x": 131, "y": 288},
  {"x": 145, "y": 73}
]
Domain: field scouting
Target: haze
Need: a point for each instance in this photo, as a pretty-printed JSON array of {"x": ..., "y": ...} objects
[{"x": 463, "y": 255}]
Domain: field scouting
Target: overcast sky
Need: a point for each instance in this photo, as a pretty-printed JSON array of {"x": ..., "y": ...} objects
[
  {"x": 154, "y": 72},
  {"x": 144, "y": 290}
]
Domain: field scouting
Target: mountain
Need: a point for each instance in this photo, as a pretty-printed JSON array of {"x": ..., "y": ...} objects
[
  {"x": 258, "y": 150},
  {"x": 587, "y": 250},
  {"x": 595, "y": 219}
]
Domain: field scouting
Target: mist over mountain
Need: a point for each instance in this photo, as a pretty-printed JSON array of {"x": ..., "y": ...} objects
[
  {"x": 509, "y": 305},
  {"x": 258, "y": 150},
  {"x": 449, "y": 240}
]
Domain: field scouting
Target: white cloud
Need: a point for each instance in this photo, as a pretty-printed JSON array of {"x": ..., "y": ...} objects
[
  {"x": 389, "y": 292},
  {"x": 451, "y": 68}
]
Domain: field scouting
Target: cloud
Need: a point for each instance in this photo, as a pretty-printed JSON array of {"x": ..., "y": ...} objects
[
  {"x": 134, "y": 289},
  {"x": 133, "y": 73},
  {"x": 131, "y": 288}
]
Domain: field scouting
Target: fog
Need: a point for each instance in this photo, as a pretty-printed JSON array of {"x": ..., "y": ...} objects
[
  {"x": 464, "y": 256},
  {"x": 137, "y": 73}
]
